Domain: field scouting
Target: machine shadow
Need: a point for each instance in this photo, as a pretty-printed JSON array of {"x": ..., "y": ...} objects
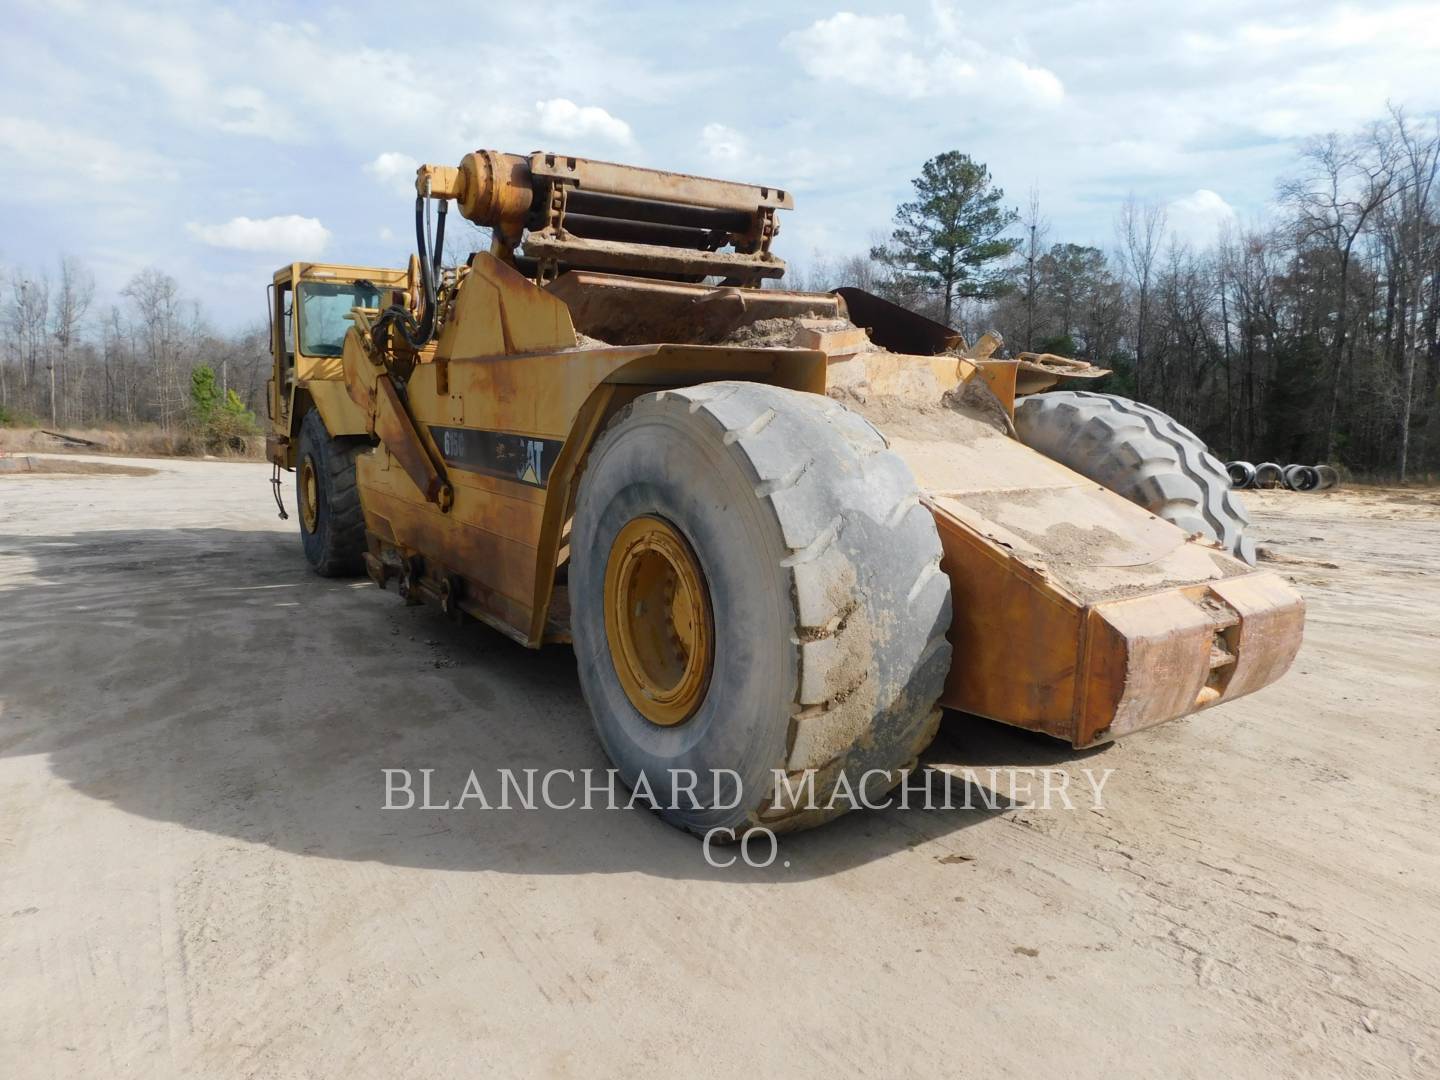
[{"x": 206, "y": 677}]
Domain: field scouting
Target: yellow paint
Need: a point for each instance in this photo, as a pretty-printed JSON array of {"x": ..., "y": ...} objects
[{"x": 658, "y": 621}]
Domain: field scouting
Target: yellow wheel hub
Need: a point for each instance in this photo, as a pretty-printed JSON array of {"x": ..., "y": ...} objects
[
  {"x": 658, "y": 621},
  {"x": 309, "y": 496}
]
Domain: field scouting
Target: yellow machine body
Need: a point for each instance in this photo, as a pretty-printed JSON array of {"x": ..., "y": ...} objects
[{"x": 1076, "y": 612}]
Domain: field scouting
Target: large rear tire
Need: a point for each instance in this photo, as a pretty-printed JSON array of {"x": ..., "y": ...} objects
[
  {"x": 1142, "y": 454},
  {"x": 820, "y": 605},
  {"x": 332, "y": 527}
]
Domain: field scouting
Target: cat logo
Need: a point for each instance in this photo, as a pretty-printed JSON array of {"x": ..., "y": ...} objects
[
  {"x": 534, "y": 470},
  {"x": 517, "y": 458}
]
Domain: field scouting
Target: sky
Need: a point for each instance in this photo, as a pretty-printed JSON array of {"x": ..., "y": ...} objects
[{"x": 219, "y": 141}]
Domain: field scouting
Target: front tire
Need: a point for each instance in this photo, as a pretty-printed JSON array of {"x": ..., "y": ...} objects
[
  {"x": 1141, "y": 454},
  {"x": 332, "y": 527},
  {"x": 821, "y": 604}
]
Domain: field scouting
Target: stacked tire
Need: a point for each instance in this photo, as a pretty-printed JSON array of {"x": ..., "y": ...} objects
[{"x": 1244, "y": 476}]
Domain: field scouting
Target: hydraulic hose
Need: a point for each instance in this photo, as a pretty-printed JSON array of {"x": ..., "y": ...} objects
[
  {"x": 417, "y": 335},
  {"x": 439, "y": 250}
]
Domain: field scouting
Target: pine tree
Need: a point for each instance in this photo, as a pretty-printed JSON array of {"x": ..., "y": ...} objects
[
  {"x": 948, "y": 239},
  {"x": 204, "y": 394}
]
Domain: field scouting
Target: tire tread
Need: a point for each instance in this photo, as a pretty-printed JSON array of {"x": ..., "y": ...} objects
[
  {"x": 337, "y": 549},
  {"x": 1142, "y": 454},
  {"x": 833, "y": 510}
]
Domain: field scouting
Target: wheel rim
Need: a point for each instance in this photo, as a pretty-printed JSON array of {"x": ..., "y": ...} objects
[
  {"x": 309, "y": 496},
  {"x": 658, "y": 621}
]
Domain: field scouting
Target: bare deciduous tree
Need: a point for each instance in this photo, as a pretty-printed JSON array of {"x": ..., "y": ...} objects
[
  {"x": 1141, "y": 230},
  {"x": 1338, "y": 189},
  {"x": 1411, "y": 231},
  {"x": 1036, "y": 231},
  {"x": 155, "y": 295},
  {"x": 73, "y": 295}
]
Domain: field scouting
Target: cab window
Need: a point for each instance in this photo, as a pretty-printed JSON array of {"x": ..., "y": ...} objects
[{"x": 323, "y": 307}]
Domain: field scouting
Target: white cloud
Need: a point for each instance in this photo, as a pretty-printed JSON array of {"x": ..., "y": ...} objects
[
  {"x": 61, "y": 154},
  {"x": 1203, "y": 202},
  {"x": 1197, "y": 217},
  {"x": 724, "y": 145},
  {"x": 870, "y": 51},
  {"x": 206, "y": 72},
  {"x": 793, "y": 165},
  {"x": 289, "y": 234},
  {"x": 396, "y": 171},
  {"x": 1158, "y": 155},
  {"x": 561, "y": 118},
  {"x": 1345, "y": 28},
  {"x": 885, "y": 55},
  {"x": 244, "y": 110}
]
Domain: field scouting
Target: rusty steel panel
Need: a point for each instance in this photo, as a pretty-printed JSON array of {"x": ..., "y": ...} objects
[
  {"x": 498, "y": 570},
  {"x": 896, "y": 328},
  {"x": 625, "y": 219},
  {"x": 1268, "y": 636},
  {"x": 1037, "y": 372},
  {"x": 638, "y": 311},
  {"x": 1015, "y": 638},
  {"x": 498, "y": 310},
  {"x": 638, "y": 183},
  {"x": 396, "y": 430},
  {"x": 1146, "y": 662},
  {"x": 1029, "y": 653},
  {"x": 1155, "y": 658},
  {"x": 1077, "y": 613},
  {"x": 581, "y": 254}
]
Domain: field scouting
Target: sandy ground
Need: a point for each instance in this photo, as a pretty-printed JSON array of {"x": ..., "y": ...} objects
[{"x": 197, "y": 876}]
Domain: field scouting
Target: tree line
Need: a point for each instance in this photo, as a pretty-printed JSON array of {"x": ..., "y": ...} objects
[
  {"x": 70, "y": 363},
  {"x": 1312, "y": 337}
]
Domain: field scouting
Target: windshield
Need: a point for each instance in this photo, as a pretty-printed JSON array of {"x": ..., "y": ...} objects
[{"x": 323, "y": 308}]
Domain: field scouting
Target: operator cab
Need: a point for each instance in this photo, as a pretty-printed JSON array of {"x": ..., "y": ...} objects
[{"x": 307, "y": 338}]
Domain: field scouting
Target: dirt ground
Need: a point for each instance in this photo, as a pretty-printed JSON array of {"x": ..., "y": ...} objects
[{"x": 197, "y": 877}]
